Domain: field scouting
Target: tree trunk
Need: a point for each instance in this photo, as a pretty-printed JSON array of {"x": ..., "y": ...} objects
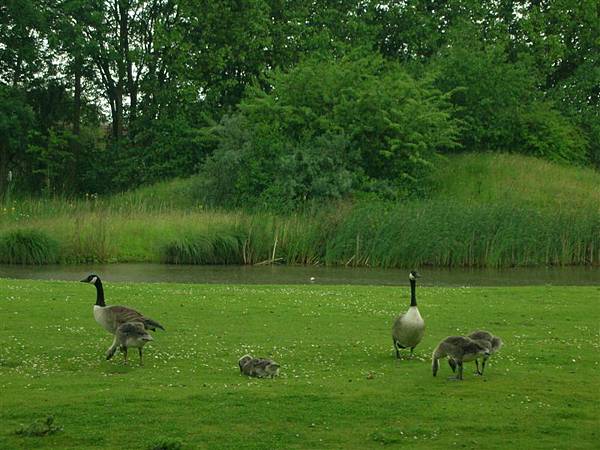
[{"x": 77, "y": 99}]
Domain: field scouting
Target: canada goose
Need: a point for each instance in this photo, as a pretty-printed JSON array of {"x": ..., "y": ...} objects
[
  {"x": 111, "y": 317},
  {"x": 258, "y": 367},
  {"x": 409, "y": 328},
  {"x": 460, "y": 349},
  {"x": 130, "y": 334},
  {"x": 480, "y": 335}
]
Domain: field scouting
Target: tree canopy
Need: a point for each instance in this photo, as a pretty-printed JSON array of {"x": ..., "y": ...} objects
[{"x": 285, "y": 101}]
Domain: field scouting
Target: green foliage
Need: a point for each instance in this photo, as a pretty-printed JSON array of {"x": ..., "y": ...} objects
[
  {"x": 492, "y": 210},
  {"x": 548, "y": 134},
  {"x": 16, "y": 121},
  {"x": 499, "y": 105},
  {"x": 27, "y": 247},
  {"x": 326, "y": 129},
  {"x": 219, "y": 247},
  {"x": 448, "y": 234}
]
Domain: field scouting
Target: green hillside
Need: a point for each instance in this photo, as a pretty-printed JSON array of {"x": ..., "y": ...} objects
[{"x": 483, "y": 210}]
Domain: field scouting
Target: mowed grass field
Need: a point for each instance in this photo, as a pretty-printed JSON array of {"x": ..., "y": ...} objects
[{"x": 340, "y": 385}]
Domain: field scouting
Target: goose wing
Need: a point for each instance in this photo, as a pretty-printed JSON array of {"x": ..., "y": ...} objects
[
  {"x": 397, "y": 320},
  {"x": 263, "y": 363},
  {"x": 132, "y": 329},
  {"x": 481, "y": 334},
  {"x": 123, "y": 314}
]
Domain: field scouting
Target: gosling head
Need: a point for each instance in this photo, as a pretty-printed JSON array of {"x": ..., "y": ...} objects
[
  {"x": 413, "y": 275},
  {"x": 485, "y": 348},
  {"x": 91, "y": 278},
  {"x": 244, "y": 360}
]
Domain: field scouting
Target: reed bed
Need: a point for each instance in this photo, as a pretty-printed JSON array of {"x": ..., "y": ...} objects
[{"x": 377, "y": 234}]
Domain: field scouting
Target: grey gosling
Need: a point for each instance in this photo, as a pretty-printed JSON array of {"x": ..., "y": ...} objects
[
  {"x": 460, "y": 349},
  {"x": 112, "y": 317},
  {"x": 409, "y": 328},
  {"x": 482, "y": 335},
  {"x": 258, "y": 367},
  {"x": 130, "y": 334}
]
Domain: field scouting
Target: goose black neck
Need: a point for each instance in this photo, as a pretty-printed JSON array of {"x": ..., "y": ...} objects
[
  {"x": 413, "y": 296},
  {"x": 99, "y": 294}
]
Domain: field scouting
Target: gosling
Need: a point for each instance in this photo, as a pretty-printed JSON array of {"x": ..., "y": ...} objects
[
  {"x": 258, "y": 367},
  {"x": 495, "y": 344},
  {"x": 460, "y": 349},
  {"x": 129, "y": 334}
]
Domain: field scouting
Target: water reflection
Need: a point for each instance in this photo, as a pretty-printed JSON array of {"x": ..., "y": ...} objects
[{"x": 162, "y": 273}]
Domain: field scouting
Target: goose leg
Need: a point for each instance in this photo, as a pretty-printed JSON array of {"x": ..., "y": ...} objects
[
  {"x": 477, "y": 372},
  {"x": 483, "y": 365},
  {"x": 459, "y": 375},
  {"x": 112, "y": 349},
  {"x": 396, "y": 348},
  {"x": 452, "y": 364},
  {"x": 411, "y": 352},
  {"x": 125, "y": 354},
  {"x": 140, "y": 350}
]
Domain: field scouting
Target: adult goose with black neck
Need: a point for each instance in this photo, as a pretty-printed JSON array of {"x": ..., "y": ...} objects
[
  {"x": 112, "y": 317},
  {"x": 409, "y": 328}
]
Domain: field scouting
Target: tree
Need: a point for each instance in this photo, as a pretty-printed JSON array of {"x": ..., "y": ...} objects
[
  {"x": 16, "y": 121},
  {"x": 326, "y": 129}
]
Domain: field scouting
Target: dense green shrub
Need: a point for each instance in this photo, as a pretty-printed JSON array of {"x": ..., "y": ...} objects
[
  {"x": 499, "y": 104},
  {"x": 27, "y": 247},
  {"x": 326, "y": 129}
]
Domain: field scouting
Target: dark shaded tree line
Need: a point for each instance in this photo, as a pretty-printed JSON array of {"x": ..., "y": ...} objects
[{"x": 283, "y": 101}]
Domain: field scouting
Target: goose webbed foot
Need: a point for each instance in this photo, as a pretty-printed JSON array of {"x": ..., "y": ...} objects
[{"x": 455, "y": 378}]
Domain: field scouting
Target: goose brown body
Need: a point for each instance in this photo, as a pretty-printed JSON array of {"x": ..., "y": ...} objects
[{"x": 111, "y": 317}]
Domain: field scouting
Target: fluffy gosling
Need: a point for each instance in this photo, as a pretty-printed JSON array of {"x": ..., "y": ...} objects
[
  {"x": 130, "y": 334},
  {"x": 460, "y": 349},
  {"x": 258, "y": 367}
]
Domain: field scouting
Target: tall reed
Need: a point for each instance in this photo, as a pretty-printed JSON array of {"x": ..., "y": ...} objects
[{"x": 27, "y": 247}]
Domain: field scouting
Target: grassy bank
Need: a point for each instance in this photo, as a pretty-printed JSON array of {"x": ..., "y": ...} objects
[
  {"x": 484, "y": 210},
  {"x": 340, "y": 385}
]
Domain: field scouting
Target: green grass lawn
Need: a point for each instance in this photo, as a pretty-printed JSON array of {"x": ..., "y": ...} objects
[{"x": 340, "y": 385}]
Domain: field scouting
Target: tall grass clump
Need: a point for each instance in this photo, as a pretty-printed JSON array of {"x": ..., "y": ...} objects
[
  {"x": 452, "y": 234},
  {"x": 213, "y": 247},
  {"x": 28, "y": 247}
]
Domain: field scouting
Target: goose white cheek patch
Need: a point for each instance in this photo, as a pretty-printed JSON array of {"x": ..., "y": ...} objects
[{"x": 93, "y": 280}]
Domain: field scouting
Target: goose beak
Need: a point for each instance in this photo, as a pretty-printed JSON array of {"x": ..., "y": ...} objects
[{"x": 84, "y": 280}]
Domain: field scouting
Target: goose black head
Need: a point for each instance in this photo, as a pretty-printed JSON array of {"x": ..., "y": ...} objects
[
  {"x": 413, "y": 275},
  {"x": 92, "y": 279}
]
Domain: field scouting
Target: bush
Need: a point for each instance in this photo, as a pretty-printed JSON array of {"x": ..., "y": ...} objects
[
  {"x": 328, "y": 129},
  {"x": 27, "y": 247},
  {"x": 548, "y": 134}
]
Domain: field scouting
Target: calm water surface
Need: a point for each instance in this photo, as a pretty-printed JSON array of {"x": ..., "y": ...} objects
[{"x": 163, "y": 273}]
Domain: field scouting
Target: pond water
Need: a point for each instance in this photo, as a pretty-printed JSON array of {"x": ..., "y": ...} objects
[{"x": 163, "y": 273}]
